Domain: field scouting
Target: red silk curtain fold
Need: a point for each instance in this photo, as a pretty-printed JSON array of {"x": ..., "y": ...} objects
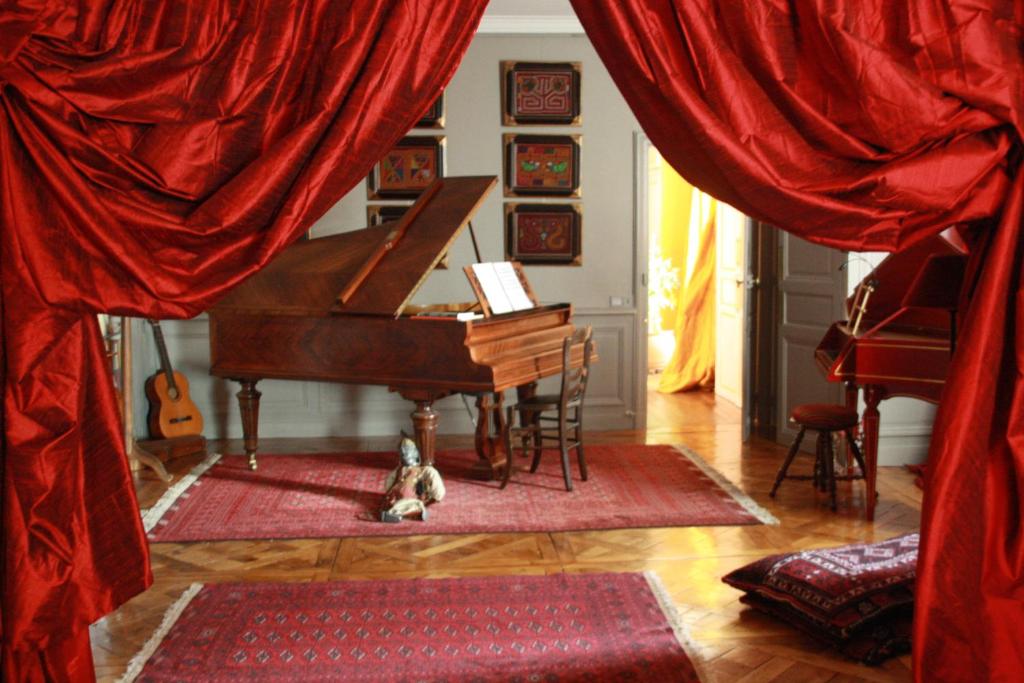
[
  {"x": 152, "y": 155},
  {"x": 868, "y": 125},
  {"x": 156, "y": 153}
]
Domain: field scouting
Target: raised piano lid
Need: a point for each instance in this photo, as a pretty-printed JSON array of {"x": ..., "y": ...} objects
[
  {"x": 379, "y": 268},
  {"x": 900, "y": 280}
]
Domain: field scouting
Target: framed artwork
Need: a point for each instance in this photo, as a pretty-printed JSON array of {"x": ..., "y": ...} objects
[
  {"x": 540, "y": 93},
  {"x": 544, "y": 233},
  {"x": 405, "y": 171},
  {"x": 434, "y": 118},
  {"x": 542, "y": 165},
  {"x": 376, "y": 214}
]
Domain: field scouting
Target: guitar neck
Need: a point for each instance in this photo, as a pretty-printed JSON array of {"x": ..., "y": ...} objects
[{"x": 165, "y": 361}]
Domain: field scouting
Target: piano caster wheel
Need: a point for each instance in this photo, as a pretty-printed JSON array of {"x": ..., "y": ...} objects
[{"x": 252, "y": 462}]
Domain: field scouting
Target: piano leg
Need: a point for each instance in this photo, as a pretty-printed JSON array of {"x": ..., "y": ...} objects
[
  {"x": 424, "y": 418},
  {"x": 490, "y": 428},
  {"x": 872, "y": 396},
  {"x": 523, "y": 393},
  {"x": 424, "y": 421},
  {"x": 249, "y": 404}
]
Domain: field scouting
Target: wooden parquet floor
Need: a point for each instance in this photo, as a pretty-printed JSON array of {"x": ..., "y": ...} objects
[{"x": 731, "y": 643}]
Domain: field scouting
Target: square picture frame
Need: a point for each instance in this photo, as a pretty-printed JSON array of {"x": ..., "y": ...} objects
[
  {"x": 542, "y": 165},
  {"x": 405, "y": 171},
  {"x": 540, "y": 93},
  {"x": 544, "y": 234},
  {"x": 434, "y": 117},
  {"x": 378, "y": 214}
]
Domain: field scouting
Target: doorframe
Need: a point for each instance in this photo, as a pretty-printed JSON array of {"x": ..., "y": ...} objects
[
  {"x": 765, "y": 319},
  {"x": 642, "y": 146},
  {"x": 751, "y": 283},
  {"x": 760, "y": 265}
]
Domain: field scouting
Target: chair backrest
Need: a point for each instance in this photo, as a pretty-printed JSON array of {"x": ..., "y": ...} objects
[{"x": 574, "y": 379}]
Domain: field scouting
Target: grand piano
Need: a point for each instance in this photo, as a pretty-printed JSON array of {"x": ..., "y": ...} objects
[
  {"x": 899, "y": 335},
  {"x": 337, "y": 309}
]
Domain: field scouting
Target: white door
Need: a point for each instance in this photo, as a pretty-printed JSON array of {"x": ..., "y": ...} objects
[
  {"x": 813, "y": 289},
  {"x": 730, "y": 276}
]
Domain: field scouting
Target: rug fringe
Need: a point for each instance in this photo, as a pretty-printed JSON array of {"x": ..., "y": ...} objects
[
  {"x": 745, "y": 501},
  {"x": 151, "y": 516},
  {"x": 170, "y": 617},
  {"x": 675, "y": 620}
]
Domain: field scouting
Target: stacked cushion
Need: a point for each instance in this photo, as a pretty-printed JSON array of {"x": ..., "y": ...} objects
[{"x": 857, "y": 597}]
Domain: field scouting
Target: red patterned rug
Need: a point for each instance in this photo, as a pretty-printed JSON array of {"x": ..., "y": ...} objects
[
  {"x": 323, "y": 496},
  {"x": 558, "y": 628}
]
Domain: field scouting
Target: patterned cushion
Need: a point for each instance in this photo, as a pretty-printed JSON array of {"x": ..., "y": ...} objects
[
  {"x": 873, "y": 643},
  {"x": 836, "y": 593}
]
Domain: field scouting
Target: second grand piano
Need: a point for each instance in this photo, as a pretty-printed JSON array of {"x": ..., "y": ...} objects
[
  {"x": 337, "y": 309},
  {"x": 899, "y": 335}
]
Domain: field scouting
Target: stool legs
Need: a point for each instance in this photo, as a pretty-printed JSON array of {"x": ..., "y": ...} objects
[
  {"x": 824, "y": 476},
  {"x": 820, "y": 481},
  {"x": 828, "y": 466},
  {"x": 856, "y": 452},
  {"x": 789, "y": 460}
]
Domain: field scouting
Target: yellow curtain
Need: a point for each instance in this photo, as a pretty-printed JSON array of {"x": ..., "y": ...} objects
[{"x": 692, "y": 364}]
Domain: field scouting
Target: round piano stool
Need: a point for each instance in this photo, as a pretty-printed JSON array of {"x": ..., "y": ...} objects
[{"x": 824, "y": 419}]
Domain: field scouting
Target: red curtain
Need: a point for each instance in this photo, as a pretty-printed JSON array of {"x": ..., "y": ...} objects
[
  {"x": 153, "y": 154},
  {"x": 867, "y": 125}
]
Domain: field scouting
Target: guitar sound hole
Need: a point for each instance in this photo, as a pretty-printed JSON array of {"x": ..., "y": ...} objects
[{"x": 172, "y": 393}]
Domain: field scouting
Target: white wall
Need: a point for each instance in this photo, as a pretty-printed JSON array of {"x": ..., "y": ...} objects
[{"x": 474, "y": 147}]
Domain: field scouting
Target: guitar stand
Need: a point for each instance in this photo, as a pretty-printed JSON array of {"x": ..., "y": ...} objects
[{"x": 153, "y": 452}]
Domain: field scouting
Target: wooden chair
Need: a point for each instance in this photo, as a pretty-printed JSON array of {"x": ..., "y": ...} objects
[
  {"x": 824, "y": 419},
  {"x": 567, "y": 423}
]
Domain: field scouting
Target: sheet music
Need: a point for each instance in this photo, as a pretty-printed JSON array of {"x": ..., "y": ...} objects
[
  {"x": 513, "y": 287},
  {"x": 502, "y": 287}
]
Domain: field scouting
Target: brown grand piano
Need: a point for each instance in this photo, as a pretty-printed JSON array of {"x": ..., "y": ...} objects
[
  {"x": 899, "y": 335},
  {"x": 336, "y": 309}
]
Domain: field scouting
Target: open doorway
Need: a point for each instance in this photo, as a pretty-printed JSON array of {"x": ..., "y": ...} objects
[{"x": 695, "y": 257}]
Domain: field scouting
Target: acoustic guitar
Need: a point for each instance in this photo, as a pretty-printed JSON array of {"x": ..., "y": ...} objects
[{"x": 171, "y": 411}]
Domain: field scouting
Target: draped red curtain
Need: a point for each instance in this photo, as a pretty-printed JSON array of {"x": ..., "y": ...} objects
[
  {"x": 153, "y": 154},
  {"x": 867, "y": 125}
]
